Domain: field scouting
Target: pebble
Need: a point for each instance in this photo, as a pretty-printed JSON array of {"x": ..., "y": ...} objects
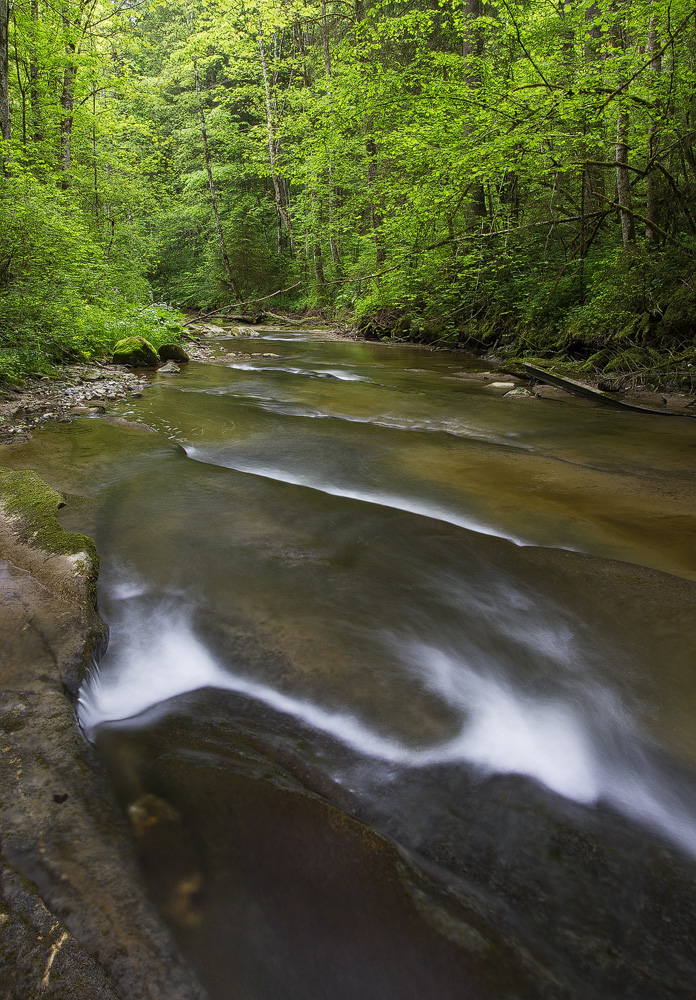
[{"x": 82, "y": 391}]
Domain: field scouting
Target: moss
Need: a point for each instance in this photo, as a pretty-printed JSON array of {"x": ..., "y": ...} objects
[
  {"x": 136, "y": 352},
  {"x": 32, "y": 505}
]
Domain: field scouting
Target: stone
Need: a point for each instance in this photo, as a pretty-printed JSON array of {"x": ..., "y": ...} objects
[
  {"x": 172, "y": 352},
  {"x": 518, "y": 392},
  {"x": 85, "y": 411},
  {"x": 553, "y": 392},
  {"x": 74, "y": 920},
  {"x": 169, "y": 369},
  {"x": 135, "y": 352},
  {"x": 209, "y": 329},
  {"x": 501, "y": 385}
]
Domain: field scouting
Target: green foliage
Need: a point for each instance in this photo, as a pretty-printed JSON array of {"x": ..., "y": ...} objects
[
  {"x": 446, "y": 171},
  {"x": 64, "y": 295}
]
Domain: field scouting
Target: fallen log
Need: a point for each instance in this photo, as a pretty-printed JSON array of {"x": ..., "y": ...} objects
[{"x": 598, "y": 395}]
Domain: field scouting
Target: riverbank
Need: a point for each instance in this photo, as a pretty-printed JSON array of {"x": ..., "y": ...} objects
[
  {"x": 78, "y": 391},
  {"x": 87, "y": 390}
]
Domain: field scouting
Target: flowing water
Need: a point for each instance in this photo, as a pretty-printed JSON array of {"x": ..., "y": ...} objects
[{"x": 401, "y": 685}]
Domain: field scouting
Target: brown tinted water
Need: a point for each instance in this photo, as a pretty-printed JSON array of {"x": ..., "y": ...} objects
[{"x": 401, "y": 686}]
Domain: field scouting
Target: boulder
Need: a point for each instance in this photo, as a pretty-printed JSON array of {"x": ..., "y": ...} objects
[
  {"x": 136, "y": 352},
  {"x": 169, "y": 369},
  {"x": 172, "y": 352}
]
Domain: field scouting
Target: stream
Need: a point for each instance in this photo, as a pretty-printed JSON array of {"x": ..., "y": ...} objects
[{"x": 400, "y": 694}]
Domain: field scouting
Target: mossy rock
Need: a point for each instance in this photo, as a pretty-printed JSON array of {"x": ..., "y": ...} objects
[
  {"x": 32, "y": 505},
  {"x": 172, "y": 352},
  {"x": 135, "y": 352}
]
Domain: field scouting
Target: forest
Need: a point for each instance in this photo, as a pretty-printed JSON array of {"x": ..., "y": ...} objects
[{"x": 514, "y": 176}]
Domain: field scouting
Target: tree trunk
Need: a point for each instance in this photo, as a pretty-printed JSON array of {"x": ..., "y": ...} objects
[
  {"x": 5, "y": 125},
  {"x": 375, "y": 216},
  {"x": 593, "y": 176},
  {"x": 66, "y": 103},
  {"x": 209, "y": 171},
  {"x": 20, "y": 84},
  {"x": 473, "y": 47},
  {"x": 211, "y": 187},
  {"x": 34, "y": 99},
  {"x": 319, "y": 265},
  {"x": 335, "y": 257},
  {"x": 623, "y": 184},
  {"x": 95, "y": 173},
  {"x": 652, "y": 210},
  {"x": 273, "y": 149},
  {"x": 623, "y": 181}
]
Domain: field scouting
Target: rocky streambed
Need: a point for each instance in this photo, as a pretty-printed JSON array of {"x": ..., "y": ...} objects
[
  {"x": 74, "y": 921},
  {"x": 297, "y": 656}
]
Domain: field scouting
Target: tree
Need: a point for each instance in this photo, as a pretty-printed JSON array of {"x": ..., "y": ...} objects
[{"x": 5, "y": 121}]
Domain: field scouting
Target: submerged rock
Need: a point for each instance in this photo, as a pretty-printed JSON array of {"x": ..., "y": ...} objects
[
  {"x": 169, "y": 369},
  {"x": 135, "y": 352},
  {"x": 245, "y": 861},
  {"x": 464, "y": 886}
]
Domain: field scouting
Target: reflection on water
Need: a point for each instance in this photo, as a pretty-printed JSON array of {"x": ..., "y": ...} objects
[{"x": 382, "y": 554}]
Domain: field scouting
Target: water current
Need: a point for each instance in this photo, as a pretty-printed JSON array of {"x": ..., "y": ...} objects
[{"x": 358, "y": 577}]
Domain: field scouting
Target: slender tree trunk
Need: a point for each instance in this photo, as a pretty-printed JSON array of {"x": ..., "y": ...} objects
[
  {"x": 319, "y": 265},
  {"x": 623, "y": 184},
  {"x": 273, "y": 149},
  {"x": 66, "y": 103},
  {"x": 652, "y": 216},
  {"x": 371, "y": 150},
  {"x": 211, "y": 187},
  {"x": 20, "y": 85},
  {"x": 375, "y": 215},
  {"x": 472, "y": 47},
  {"x": 5, "y": 124},
  {"x": 209, "y": 171},
  {"x": 593, "y": 177},
  {"x": 623, "y": 180},
  {"x": 592, "y": 192},
  {"x": 325, "y": 46},
  {"x": 335, "y": 257},
  {"x": 95, "y": 174},
  {"x": 34, "y": 99}
]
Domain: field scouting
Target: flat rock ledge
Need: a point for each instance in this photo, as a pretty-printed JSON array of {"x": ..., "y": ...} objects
[{"x": 75, "y": 923}]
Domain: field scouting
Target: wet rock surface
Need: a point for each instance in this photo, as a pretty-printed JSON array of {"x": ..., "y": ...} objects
[
  {"x": 267, "y": 884},
  {"x": 459, "y": 887},
  {"x": 74, "y": 922}
]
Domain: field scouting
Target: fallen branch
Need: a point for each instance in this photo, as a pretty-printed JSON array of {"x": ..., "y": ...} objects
[{"x": 236, "y": 305}]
